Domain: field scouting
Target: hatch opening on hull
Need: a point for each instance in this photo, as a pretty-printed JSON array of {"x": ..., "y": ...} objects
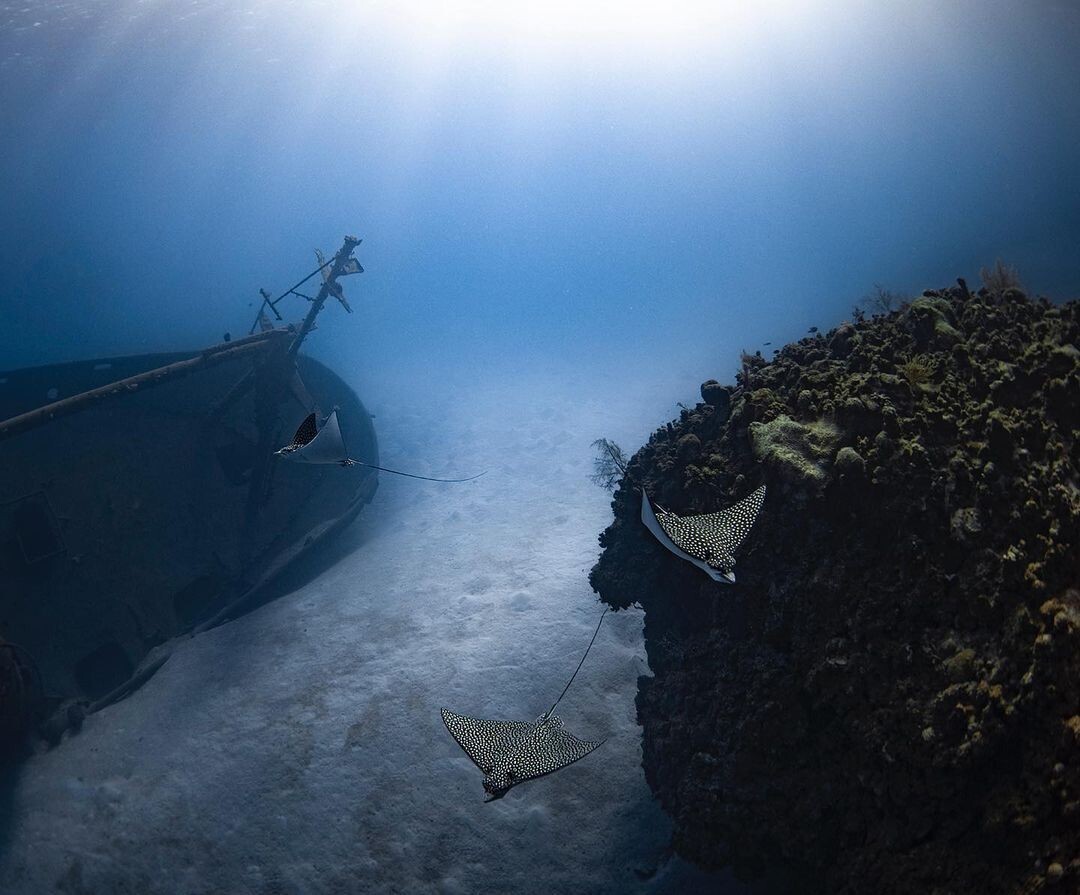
[
  {"x": 103, "y": 669},
  {"x": 35, "y": 528},
  {"x": 237, "y": 458}
]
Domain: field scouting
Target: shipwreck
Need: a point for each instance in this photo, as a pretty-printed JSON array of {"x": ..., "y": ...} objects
[{"x": 141, "y": 502}]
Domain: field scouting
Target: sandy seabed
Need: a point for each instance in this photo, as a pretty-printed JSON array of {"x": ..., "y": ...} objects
[{"x": 300, "y": 749}]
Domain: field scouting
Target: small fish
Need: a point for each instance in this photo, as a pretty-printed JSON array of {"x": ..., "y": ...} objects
[
  {"x": 767, "y": 343},
  {"x": 511, "y": 752},
  {"x": 709, "y": 541},
  {"x": 813, "y": 329}
]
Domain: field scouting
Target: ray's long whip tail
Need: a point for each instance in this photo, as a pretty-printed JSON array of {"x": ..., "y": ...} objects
[
  {"x": 603, "y": 615},
  {"x": 411, "y": 475}
]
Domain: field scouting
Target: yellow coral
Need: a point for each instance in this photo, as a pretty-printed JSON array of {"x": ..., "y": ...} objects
[{"x": 916, "y": 371}]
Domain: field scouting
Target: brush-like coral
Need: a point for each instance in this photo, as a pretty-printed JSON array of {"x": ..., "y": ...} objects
[
  {"x": 1000, "y": 278},
  {"x": 609, "y": 464}
]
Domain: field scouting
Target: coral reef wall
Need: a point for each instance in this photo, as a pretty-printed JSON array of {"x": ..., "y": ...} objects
[{"x": 889, "y": 699}]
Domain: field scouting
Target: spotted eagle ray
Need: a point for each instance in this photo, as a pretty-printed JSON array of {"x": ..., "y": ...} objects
[
  {"x": 326, "y": 446},
  {"x": 710, "y": 540},
  {"x": 511, "y": 752}
]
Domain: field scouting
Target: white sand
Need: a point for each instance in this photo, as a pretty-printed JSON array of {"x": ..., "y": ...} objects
[{"x": 300, "y": 748}]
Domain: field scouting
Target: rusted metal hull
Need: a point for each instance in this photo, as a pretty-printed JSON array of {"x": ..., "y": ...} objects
[{"x": 131, "y": 522}]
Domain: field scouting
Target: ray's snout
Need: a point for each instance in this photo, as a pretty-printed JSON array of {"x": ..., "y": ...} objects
[{"x": 493, "y": 790}]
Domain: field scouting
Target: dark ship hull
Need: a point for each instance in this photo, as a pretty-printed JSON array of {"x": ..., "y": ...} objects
[{"x": 142, "y": 515}]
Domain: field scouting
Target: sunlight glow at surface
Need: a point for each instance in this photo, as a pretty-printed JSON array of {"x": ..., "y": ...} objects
[
  {"x": 602, "y": 27},
  {"x": 603, "y": 21}
]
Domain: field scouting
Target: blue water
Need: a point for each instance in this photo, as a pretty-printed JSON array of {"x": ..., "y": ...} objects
[
  {"x": 570, "y": 218},
  {"x": 576, "y": 185}
]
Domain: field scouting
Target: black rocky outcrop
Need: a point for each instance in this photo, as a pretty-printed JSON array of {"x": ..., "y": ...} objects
[{"x": 889, "y": 698}]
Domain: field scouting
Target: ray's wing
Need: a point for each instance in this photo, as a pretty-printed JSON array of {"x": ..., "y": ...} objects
[
  {"x": 327, "y": 446},
  {"x": 549, "y": 749},
  {"x": 685, "y": 534},
  {"x": 665, "y": 526},
  {"x": 306, "y": 432},
  {"x": 727, "y": 529},
  {"x": 483, "y": 741}
]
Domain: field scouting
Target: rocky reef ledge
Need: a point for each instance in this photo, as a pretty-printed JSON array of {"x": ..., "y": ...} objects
[{"x": 889, "y": 699}]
